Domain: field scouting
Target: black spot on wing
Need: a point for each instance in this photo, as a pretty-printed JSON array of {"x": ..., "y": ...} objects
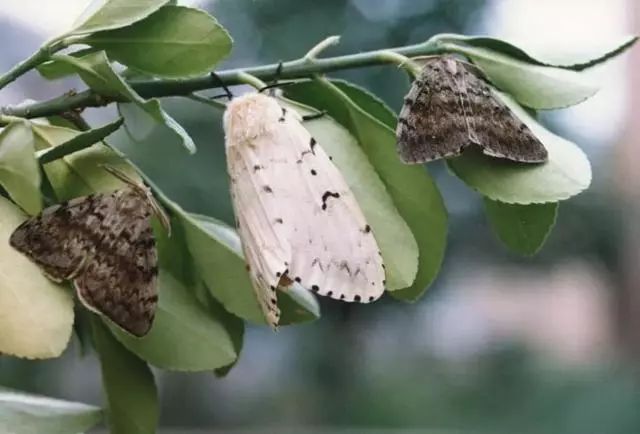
[
  {"x": 284, "y": 113},
  {"x": 326, "y": 195}
]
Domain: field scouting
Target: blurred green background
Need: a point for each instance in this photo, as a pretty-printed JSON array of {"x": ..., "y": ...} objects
[{"x": 500, "y": 344}]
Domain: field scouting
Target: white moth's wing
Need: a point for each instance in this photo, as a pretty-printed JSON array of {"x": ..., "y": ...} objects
[
  {"x": 334, "y": 250},
  {"x": 265, "y": 251},
  {"x": 297, "y": 217}
]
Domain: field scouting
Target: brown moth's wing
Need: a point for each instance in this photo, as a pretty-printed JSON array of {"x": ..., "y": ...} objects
[
  {"x": 55, "y": 239},
  {"x": 493, "y": 125},
  {"x": 120, "y": 278},
  {"x": 432, "y": 122}
]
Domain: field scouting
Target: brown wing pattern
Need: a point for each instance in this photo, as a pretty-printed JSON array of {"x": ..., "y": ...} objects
[
  {"x": 450, "y": 107},
  {"x": 105, "y": 244},
  {"x": 53, "y": 240},
  {"x": 431, "y": 124},
  {"x": 494, "y": 126}
]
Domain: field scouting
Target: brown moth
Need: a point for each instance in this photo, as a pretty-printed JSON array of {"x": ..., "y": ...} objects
[
  {"x": 449, "y": 107},
  {"x": 104, "y": 243}
]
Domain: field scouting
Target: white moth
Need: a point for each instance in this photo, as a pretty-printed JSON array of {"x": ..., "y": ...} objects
[{"x": 297, "y": 218}]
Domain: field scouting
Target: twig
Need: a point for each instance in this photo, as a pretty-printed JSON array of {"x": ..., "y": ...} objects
[
  {"x": 299, "y": 68},
  {"x": 40, "y": 56}
]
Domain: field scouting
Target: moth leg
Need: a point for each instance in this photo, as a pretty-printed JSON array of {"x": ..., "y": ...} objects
[
  {"x": 227, "y": 93},
  {"x": 274, "y": 83},
  {"x": 278, "y": 72}
]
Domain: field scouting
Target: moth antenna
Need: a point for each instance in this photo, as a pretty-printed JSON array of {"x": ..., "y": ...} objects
[
  {"x": 227, "y": 93},
  {"x": 273, "y": 85},
  {"x": 159, "y": 212},
  {"x": 122, "y": 176},
  {"x": 142, "y": 189},
  {"x": 314, "y": 116}
]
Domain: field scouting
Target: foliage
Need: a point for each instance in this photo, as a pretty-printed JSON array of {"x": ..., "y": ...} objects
[{"x": 205, "y": 291}]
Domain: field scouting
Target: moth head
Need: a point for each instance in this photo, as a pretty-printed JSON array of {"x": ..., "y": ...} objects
[
  {"x": 250, "y": 116},
  {"x": 144, "y": 192}
]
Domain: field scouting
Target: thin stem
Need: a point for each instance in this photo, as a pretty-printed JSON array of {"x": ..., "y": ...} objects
[
  {"x": 249, "y": 79},
  {"x": 294, "y": 69},
  {"x": 42, "y": 55},
  {"x": 26, "y": 65},
  {"x": 320, "y": 47},
  {"x": 400, "y": 60}
]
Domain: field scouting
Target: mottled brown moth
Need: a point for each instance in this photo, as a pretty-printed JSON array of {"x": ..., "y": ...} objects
[
  {"x": 104, "y": 243},
  {"x": 449, "y": 107}
]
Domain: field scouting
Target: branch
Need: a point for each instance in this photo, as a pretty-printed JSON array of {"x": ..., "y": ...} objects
[
  {"x": 294, "y": 69},
  {"x": 40, "y": 56}
]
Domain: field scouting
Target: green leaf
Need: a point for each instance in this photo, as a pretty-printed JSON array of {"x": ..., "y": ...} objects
[
  {"x": 55, "y": 69},
  {"x": 22, "y": 413},
  {"x": 591, "y": 55},
  {"x": 80, "y": 141},
  {"x": 197, "y": 337},
  {"x": 129, "y": 385},
  {"x": 113, "y": 14},
  {"x": 368, "y": 102},
  {"x": 414, "y": 193},
  {"x": 141, "y": 120},
  {"x": 217, "y": 254},
  {"x": 19, "y": 171},
  {"x": 36, "y": 315},
  {"x": 522, "y": 228},
  {"x": 97, "y": 73},
  {"x": 79, "y": 174},
  {"x": 566, "y": 173},
  {"x": 534, "y": 86},
  {"x": 235, "y": 326},
  {"x": 175, "y": 41},
  {"x": 394, "y": 238}
]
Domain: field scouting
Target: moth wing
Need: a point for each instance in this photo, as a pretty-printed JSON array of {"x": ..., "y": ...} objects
[
  {"x": 495, "y": 127},
  {"x": 54, "y": 240},
  {"x": 335, "y": 253},
  {"x": 431, "y": 124},
  {"x": 119, "y": 280},
  {"x": 311, "y": 215},
  {"x": 266, "y": 252}
]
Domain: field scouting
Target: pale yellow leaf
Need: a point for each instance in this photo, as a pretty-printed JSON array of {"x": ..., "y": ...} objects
[{"x": 36, "y": 315}]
